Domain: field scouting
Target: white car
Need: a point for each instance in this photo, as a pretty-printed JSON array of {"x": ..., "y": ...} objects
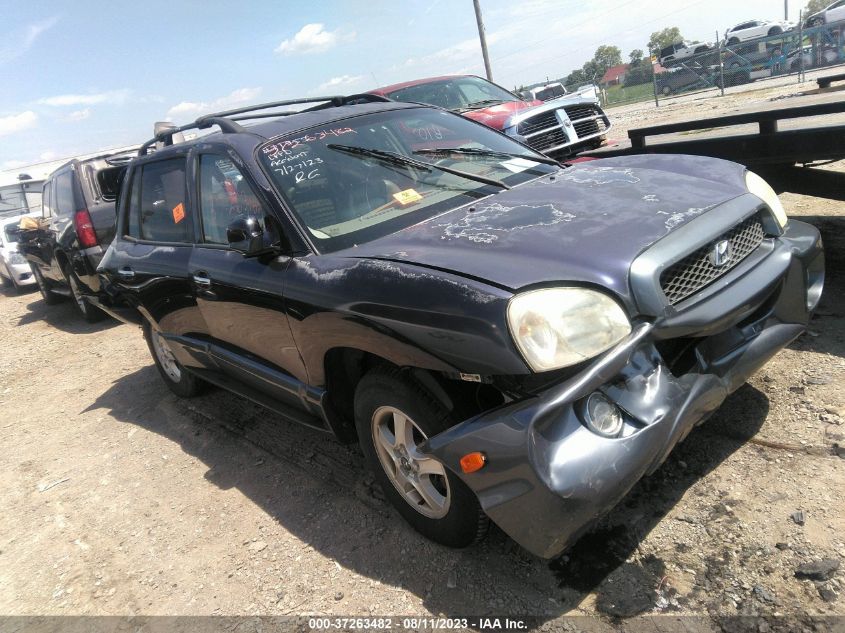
[
  {"x": 832, "y": 13},
  {"x": 14, "y": 269},
  {"x": 681, "y": 50},
  {"x": 753, "y": 29}
]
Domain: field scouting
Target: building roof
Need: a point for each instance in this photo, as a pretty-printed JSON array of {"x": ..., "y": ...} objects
[{"x": 614, "y": 73}]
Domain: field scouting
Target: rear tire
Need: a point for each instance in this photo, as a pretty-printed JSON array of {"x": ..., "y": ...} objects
[
  {"x": 50, "y": 298},
  {"x": 181, "y": 382},
  {"x": 393, "y": 414}
]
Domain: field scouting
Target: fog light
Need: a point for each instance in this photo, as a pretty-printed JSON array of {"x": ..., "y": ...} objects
[{"x": 602, "y": 416}]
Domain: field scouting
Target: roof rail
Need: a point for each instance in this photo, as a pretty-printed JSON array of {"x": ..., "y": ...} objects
[{"x": 227, "y": 119}]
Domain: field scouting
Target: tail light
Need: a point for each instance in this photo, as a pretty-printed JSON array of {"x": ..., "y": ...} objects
[{"x": 85, "y": 229}]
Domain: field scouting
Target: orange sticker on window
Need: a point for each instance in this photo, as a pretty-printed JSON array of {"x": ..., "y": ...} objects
[
  {"x": 407, "y": 196},
  {"x": 178, "y": 213}
]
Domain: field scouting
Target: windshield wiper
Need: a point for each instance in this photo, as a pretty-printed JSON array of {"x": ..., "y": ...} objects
[
  {"x": 399, "y": 159},
  {"x": 484, "y": 102},
  {"x": 476, "y": 151}
]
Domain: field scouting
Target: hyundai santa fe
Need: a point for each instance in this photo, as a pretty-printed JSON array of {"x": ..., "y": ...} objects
[{"x": 509, "y": 339}]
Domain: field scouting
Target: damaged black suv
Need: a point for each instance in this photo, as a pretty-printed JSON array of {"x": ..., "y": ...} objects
[{"x": 509, "y": 339}]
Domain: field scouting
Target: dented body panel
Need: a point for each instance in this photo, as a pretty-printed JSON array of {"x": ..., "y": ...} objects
[{"x": 432, "y": 297}]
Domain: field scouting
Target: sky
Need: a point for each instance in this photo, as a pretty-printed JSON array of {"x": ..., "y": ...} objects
[{"x": 84, "y": 76}]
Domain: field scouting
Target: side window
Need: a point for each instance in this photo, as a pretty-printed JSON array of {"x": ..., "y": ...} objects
[
  {"x": 65, "y": 204},
  {"x": 224, "y": 195},
  {"x": 158, "y": 203},
  {"x": 47, "y": 200}
]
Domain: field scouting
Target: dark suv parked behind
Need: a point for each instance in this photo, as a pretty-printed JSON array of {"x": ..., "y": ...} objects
[
  {"x": 78, "y": 219},
  {"x": 505, "y": 337}
]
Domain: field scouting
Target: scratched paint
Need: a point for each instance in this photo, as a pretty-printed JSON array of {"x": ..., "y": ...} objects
[
  {"x": 494, "y": 220},
  {"x": 600, "y": 175}
]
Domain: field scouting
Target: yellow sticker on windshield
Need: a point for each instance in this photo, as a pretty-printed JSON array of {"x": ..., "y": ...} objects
[{"x": 408, "y": 196}]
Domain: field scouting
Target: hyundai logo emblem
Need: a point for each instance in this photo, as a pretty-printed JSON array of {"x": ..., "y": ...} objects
[{"x": 721, "y": 253}]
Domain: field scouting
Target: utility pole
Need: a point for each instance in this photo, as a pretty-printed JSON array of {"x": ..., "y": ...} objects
[
  {"x": 785, "y": 9},
  {"x": 483, "y": 40}
]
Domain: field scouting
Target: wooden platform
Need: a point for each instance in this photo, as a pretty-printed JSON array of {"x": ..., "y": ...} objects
[{"x": 800, "y": 129}]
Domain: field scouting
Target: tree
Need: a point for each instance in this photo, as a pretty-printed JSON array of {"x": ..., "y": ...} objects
[
  {"x": 576, "y": 78},
  {"x": 636, "y": 57},
  {"x": 605, "y": 57},
  {"x": 814, "y": 6},
  {"x": 640, "y": 74},
  {"x": 664, "y": 38}
]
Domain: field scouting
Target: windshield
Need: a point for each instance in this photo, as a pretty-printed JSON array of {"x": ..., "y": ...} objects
[
  {"x": 550, "y": 92},
  {"x": 10, "y": 232},
  {"x": 356, "y": 180},
  {"x": 455, "y": 93}
]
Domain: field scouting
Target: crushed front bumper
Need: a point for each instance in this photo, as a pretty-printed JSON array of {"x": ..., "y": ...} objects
[{"x": 548, "y": 477}]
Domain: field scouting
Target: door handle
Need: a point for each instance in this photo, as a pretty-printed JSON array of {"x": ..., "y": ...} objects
[
  {"x": 126, "y": 273},
  {"x": 201, "y": 279}
]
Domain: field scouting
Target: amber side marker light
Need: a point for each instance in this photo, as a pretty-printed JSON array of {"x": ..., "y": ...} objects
[{"x": 472, "y": 462}]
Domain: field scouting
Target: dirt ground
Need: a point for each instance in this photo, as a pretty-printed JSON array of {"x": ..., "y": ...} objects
[{"x": 119, "y": 498}]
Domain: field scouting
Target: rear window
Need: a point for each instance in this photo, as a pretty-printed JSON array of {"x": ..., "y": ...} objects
[{"x": 65, "y": 202}]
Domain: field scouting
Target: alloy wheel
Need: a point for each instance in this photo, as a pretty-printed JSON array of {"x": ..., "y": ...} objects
[
  {"x": 166, "y": 358},
  {"x": 420, "y": 480}
]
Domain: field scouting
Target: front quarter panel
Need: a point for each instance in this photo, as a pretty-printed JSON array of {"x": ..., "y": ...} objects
[{"x": 406, "y": 314}]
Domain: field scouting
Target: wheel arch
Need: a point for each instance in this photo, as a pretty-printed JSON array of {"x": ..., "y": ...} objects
[{"x": 344, "y": 368}]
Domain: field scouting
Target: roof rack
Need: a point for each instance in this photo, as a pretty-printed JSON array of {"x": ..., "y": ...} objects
[{"x": 227, "y": 119}]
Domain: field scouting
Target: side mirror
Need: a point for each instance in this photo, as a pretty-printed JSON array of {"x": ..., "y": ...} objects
[{"x": 246, "y": 236}]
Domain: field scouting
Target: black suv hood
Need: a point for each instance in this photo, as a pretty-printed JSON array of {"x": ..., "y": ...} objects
[{"x": 586, "y": 223}]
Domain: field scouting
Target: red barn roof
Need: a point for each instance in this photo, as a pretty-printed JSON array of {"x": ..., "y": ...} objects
[{"x": 614, "y": 73}]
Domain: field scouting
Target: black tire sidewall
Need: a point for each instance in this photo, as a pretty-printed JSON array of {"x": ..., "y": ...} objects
[
  {"x": 88, "y": 312},
  {"x": 188, "y": 385},
  {"x": 465, "y": 522},
  {"x": 46, "y": 293}
]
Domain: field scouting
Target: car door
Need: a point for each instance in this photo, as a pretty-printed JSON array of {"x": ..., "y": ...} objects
[
  {"x": 241, "y": 298},
  {"x": 147, "y": 265},
  {"x": 836, "y": 12}
]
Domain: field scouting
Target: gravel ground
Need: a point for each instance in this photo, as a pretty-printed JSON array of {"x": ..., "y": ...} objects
[{"x": 121, "y": 499}]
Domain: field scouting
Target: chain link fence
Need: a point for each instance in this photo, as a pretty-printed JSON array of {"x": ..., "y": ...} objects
[{"x": 733, "y": 62}]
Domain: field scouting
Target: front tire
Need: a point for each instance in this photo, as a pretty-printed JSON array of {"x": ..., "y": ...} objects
[
  {"x": 775, "y": 30},
  {"x": 393, "y": 415},
  {"x": 177, "y": 379},
  {"x": 89, "y": 312}
]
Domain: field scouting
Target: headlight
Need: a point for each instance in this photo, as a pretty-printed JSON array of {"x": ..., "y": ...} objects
[
  {"x": 762, "y": 190},
  {"x": 16, "y": 258},
  {"x": 559, "y": 327}
]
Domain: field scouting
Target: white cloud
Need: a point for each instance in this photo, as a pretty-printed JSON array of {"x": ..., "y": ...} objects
[
  {"x": 48, "y": 155},
  {"x": 17, "y": 122},
  {"x": 313, "y": 38},
  {"x": 338, "y": 82},
  {"x": 12, "y": 164},
  {"x": 110, "y": 96},
  {"x": 16, "y": 44},
  {"x": 187, "y": 109},
  {"x": 79, "y": 115}
]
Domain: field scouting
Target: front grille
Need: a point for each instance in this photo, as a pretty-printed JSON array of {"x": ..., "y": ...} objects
[
  {"x": 544, "y": 141},
  {"x": 583, "y": 111},
  {"x": 542, "y": 121},
  {"x": 697, "y": 270}
]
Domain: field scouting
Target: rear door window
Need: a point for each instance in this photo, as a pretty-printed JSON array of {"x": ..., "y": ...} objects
[{"x": 158, "y": 207}]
